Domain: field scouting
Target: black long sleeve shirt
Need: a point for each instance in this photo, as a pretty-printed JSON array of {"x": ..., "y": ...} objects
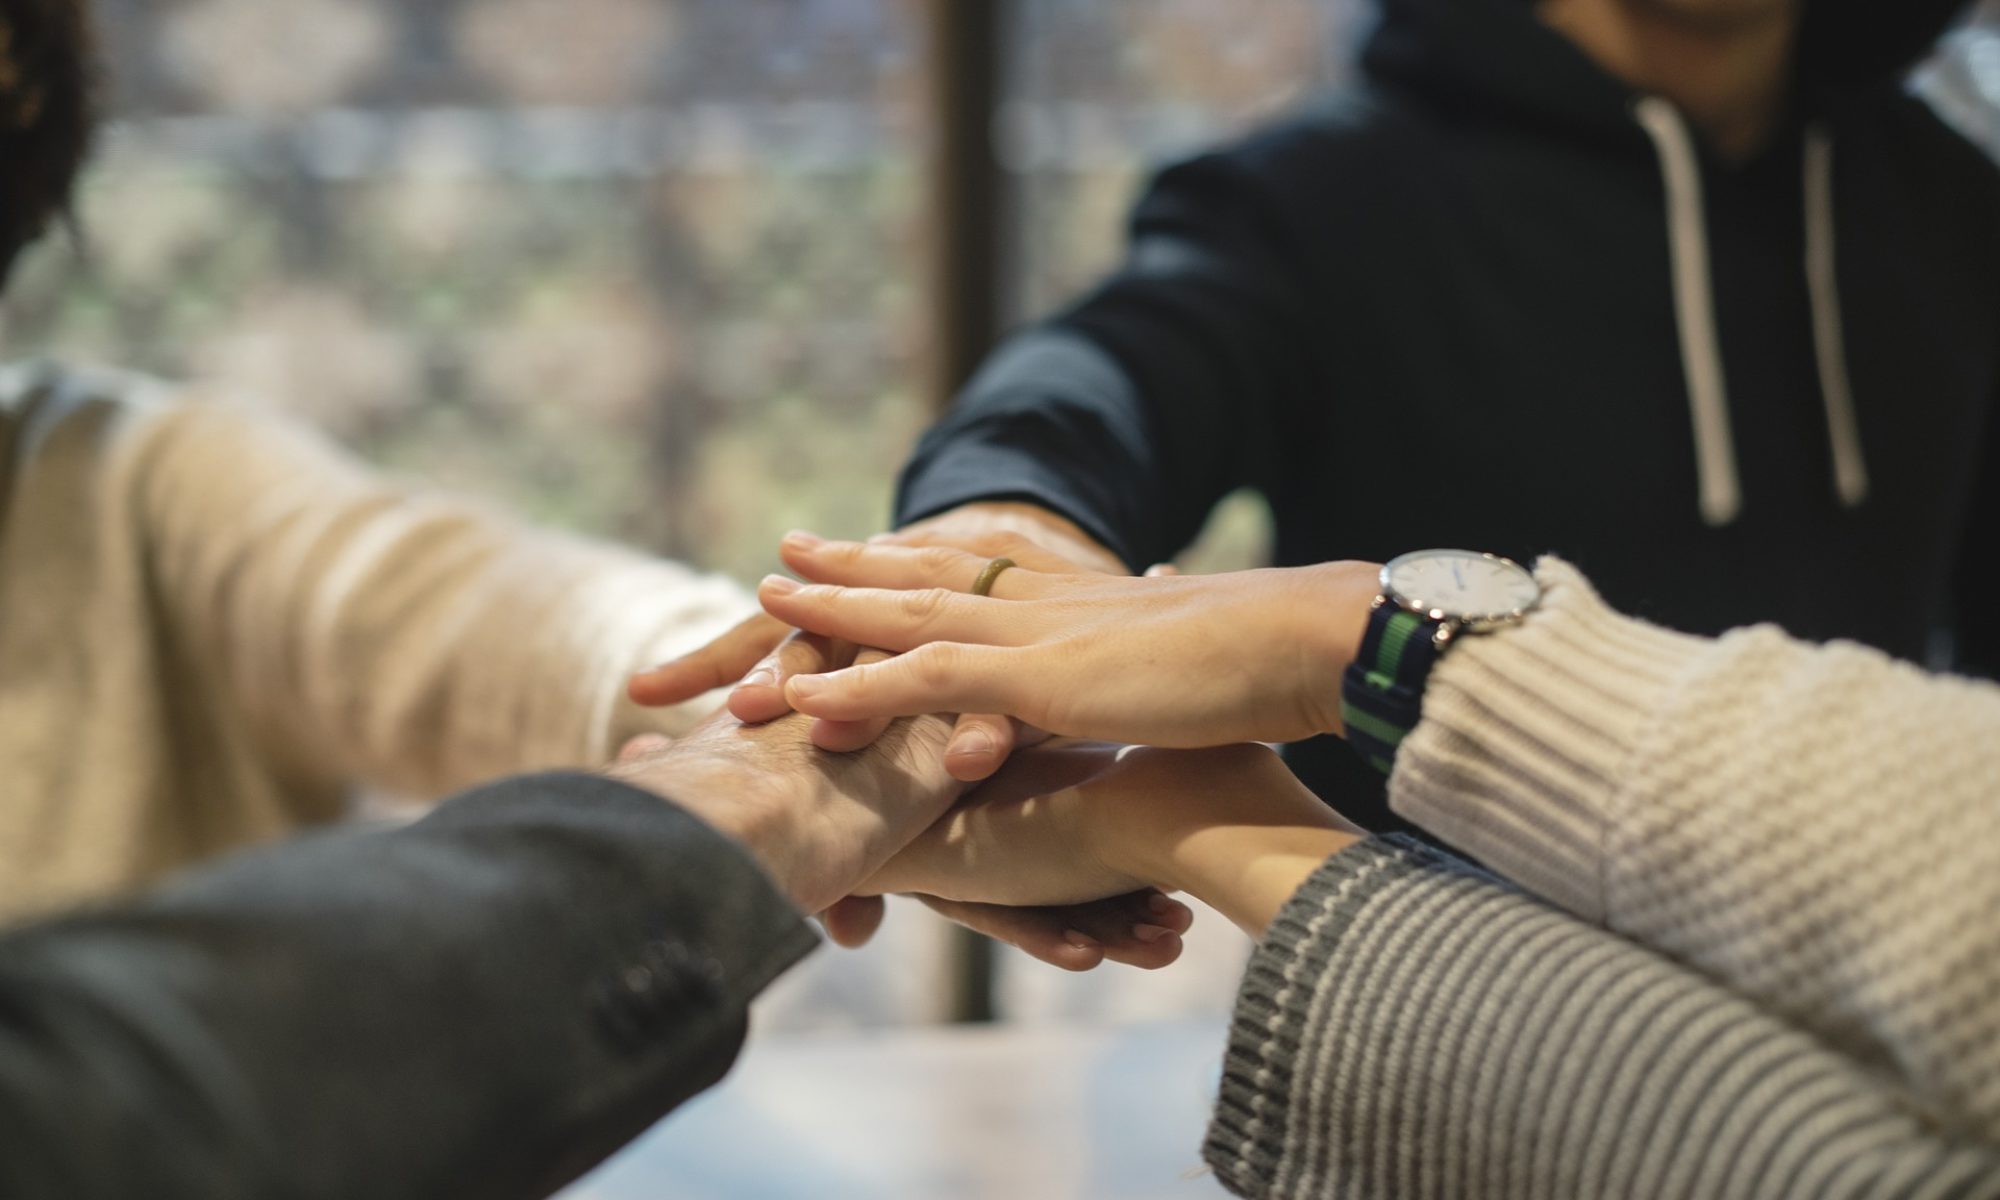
[{"x": 1441, "y": 308}]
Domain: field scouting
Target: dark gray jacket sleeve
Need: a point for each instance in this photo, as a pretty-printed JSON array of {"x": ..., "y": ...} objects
[
  {"x": 1411, "y": 1028},
  {"x": 485, "y": 1003},
  {"x": 1135, "y": 411}
]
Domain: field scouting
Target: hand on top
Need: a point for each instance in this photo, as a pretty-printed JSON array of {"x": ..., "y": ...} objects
[
  {"x": 1176, "y": 661},
  {"x": 763, "y": 653},
  {"x": 1061, "y": 644}
]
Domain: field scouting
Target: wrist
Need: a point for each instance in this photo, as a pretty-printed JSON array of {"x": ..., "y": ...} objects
[
  {"x": 744, "y": 810},
  {"x": 1043, "y": 526},
  {"x": 1244, "y": 843},
  {"x": 1331, "y": 621},
  {"x": 1247, "y": 869}
]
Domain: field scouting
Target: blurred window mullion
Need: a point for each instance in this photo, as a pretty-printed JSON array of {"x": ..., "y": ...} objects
[{"x": 967, "y": 218}]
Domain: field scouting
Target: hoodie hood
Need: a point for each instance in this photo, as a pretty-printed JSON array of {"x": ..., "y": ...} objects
[{"x": 1494, "y": 58}]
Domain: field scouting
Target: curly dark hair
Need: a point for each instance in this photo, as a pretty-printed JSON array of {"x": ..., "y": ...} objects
[{"x": 48, "y": 107}]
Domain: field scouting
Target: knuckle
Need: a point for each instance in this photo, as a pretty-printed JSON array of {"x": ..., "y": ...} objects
[
  {"x": 987, "y": 723},
  {"x": 1013, "y": 545},
  {"x": 936, "y": 560},
  {"x": 855, "y": 687},
  {"x": 997, "y": 543},
  {"x": 925, "y": 604},
  {"x": 802, "y": 654},
  {"x": 933, "y": 667}
]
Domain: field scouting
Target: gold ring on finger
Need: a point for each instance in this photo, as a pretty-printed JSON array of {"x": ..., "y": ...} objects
[{"x": 983, "y": 586}]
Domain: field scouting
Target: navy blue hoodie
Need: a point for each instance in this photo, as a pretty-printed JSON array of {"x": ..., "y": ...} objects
[{"x": 1489, "y": 296}]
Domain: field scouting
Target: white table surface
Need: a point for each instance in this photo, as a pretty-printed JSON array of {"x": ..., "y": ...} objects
[{"x": 965, "y": 1113}]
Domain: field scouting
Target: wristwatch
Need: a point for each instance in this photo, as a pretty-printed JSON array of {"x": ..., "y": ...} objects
[{"x": 1429, "y": 597}]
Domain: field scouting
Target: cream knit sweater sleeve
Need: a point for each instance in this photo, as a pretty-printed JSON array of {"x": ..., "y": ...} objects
[
  {"x": 1816, "y": 827},
  {"x": 389, "y": 633}
]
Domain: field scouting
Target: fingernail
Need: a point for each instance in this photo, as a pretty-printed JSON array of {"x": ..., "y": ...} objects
[
  {"x": 1159, "y": 905},
  {"x": 1150, "y": 933},
  {"x": 882, "y": 539},
  {"x": 807, "y": 685},
  {"x": 977, "y": 744},
  {"x": 778, "y": 585},
  {"x": 761, "y": 677},
  {"x": 803, "y": 540},
  {"x": 1081, "y": 940}
]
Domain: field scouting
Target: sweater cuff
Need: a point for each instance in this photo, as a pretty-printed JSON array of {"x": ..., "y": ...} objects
[
  {"x": 1248, "y": 1136},
  {"x": 1526, "y": 732}
]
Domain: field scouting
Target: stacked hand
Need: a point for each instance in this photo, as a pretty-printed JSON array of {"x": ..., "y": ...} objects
[
  {"x": 1069, "y": 822},
  {"x": 760, "y": 655},
  {"x": 763, "y": 653},
  {"x": 1056, "y": 854},
  {"x": 1179, "y": 661},
  {"x": 818, "y": 823}
]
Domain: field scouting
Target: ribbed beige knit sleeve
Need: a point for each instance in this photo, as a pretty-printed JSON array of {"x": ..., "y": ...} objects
[
  {"x": 1816, "y": 827},
  {"x": 392, "y": 634}
]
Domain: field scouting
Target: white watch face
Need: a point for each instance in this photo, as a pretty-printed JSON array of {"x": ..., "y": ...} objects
[{"x": 1460, "y": 584}]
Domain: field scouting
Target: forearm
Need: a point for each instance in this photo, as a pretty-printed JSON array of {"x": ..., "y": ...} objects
[
  {"x": 1247, "y": 870},
  {"x": 1052, "y": 423},
  {"x": 1241, "y": 840},
  {"x": 1410, "y": 1028},
  {"x": 379, "y": 632},
  {"x": 1810, "y": 825},
  {"x": 1159, "y": 393},
  {"x": 486, "y": 1002}
]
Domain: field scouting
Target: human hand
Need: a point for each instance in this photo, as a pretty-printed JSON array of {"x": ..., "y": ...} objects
[
  {"x": 1167, "y": 660},
  {"x": 995, "y": 520},
  {"x": 1069, "y": 823},
  {"x": 818, "y": 823},
  {"x": 761, "y": 653},
  {"x": 1138, "y": 929}
]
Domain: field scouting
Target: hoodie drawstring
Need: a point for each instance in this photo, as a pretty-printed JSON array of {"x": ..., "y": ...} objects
[
  {"x": 1850, "y": 470},
  {"x": 1694, "y": 311}
]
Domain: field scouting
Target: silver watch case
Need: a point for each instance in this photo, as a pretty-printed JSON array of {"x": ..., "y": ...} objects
[{"x": 1452, "y": 622}]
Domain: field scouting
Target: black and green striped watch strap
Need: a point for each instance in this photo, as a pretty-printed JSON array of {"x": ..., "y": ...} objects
[{"x": 1381, "y": 694}]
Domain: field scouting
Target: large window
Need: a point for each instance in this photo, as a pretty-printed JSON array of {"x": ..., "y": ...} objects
[{"x": 645, "y": 268}]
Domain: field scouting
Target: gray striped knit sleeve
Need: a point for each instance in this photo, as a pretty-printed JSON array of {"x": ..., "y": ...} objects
[{"x": 1410, "y": 1028}]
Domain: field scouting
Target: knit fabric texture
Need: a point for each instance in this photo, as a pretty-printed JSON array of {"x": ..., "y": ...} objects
[
  {"x": 1411, "y": 1028},
  {"x": 214, "y": 628},
  {"x": 1814, "y": 827}
]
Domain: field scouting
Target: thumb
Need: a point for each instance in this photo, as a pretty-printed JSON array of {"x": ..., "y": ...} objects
[{"x": 851, "y": 922}]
